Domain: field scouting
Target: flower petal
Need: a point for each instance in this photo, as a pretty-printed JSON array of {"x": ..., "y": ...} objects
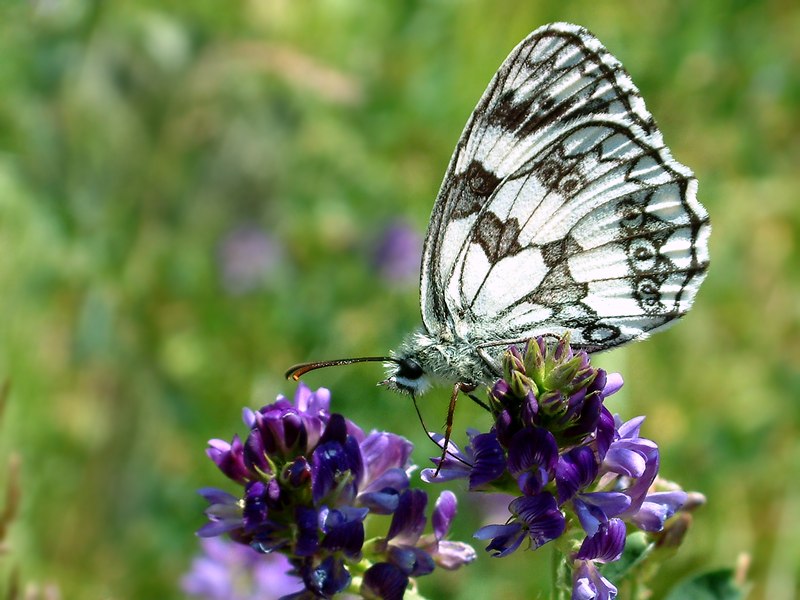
[
  {"x": 489, "y": 461},
  {"x": 384, "y": 581},
  {"x": 657, "y": 508},
  {"x": 328, "y": 578},
  {"x": 411, "y": 560},
  {"x": 455, "y": 465},
  {"x": 606, "y": 545},
  {"x": 540, "y": 516},
  {"x": 589, "y": 584},
  {"x": 613, "y": 384},
  {"x": 408, "y": 520},
  {"x": 532, "y": 448},
  {"x": 452, "y": 555},
  {"x": 229, "y": 458},
  {"x": 444, "y": 511},
  {"x": 505, "y": 538},
  {"x": 344, "y": 530},
  {"x": 575, "y": 470},
  {"x": 383, "y": 451}
]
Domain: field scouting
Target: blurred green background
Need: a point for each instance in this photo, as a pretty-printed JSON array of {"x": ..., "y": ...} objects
[{"x": 191, "y": 194}]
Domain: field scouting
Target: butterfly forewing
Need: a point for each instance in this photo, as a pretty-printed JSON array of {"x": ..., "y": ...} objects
[{"x": 561, "y": 208}]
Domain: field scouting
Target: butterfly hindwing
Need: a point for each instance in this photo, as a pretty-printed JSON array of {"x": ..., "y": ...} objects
[{"x": 562, "y": 209}]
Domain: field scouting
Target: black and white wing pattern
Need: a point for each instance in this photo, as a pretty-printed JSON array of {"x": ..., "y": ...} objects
[{"x": 562, "y": 209}]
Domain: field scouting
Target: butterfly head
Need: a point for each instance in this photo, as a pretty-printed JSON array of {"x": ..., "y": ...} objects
[
  {"x": 421, "y": 362},
  {"x": 406, "y": 375}
]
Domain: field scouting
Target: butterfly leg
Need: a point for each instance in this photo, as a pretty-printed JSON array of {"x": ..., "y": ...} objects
[
  {"x": 466, "y": 388},
  {"x": 448, "y": 429},
  {"x": 445, "y": 450}
]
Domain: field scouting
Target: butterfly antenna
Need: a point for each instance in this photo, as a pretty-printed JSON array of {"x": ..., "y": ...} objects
[{"x": 297, "y": 371}]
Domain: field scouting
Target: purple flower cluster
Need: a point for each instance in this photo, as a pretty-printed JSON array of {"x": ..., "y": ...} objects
[
  {"x": 574, "y": 468},
  {"x": 310, "y": 479}
]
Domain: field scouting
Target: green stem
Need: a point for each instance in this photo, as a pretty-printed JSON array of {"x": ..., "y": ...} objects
[{"x": 555, "y": 560}]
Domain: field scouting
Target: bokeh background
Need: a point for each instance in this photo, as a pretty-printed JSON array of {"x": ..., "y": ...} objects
[{"x": 195, "y": 195}]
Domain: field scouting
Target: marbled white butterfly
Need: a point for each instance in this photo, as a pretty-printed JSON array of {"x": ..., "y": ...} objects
[{"x": 561, "y": 211}]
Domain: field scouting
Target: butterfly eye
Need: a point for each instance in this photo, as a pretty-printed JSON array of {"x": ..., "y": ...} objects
[{"x": 409, "y": 369}]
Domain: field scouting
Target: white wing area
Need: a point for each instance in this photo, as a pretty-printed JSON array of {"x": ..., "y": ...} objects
[{"x": 562, "y": 209}]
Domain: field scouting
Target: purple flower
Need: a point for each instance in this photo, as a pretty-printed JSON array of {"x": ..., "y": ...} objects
[
  {"x": 410, "y": 550},
  {"x": 229, "y": 571},
  {"x": 248, "y": 258},
  {"x": 594, "y": 509},
  {"x": 285, "y": 428},
  {"x": 407, "y": 552},
  {"x": 482, "y": 461},
  {"x": 385, "y": 477},
  {"x": 398, "y": 253},
  {"x": 327, "y": 578},
  {"x": 657, "y": 508},
  {"x": 447, "y": 554},
  {"x": 536, "y": 517},
  {"x": 408, "y": 523},
  {"x": 336, "y": 465},
  {"x": 505, "y": 538},
  {"x": 385, "y": 581},
  {"x": 576, "y": 465},
  {"x": 606, "y": 544},
  {"x": 589, "y": 584},
  {"x": 532, "y": 458},
  {"x": 309, "y": 479},
  {"x": 343, "y": 529},
  {"x": 229, "y": 458},
  {"x": 633, "y": 461},
  {"x": 576, "y": 469},
  {"x": 224, "y": 512}
]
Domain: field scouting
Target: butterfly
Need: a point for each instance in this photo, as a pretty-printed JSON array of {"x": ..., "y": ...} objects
[{"x": 561, "y": 212}]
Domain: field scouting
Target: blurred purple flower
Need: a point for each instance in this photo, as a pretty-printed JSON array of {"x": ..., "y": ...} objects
[
  {"x": 398, "y": 253},
  {"x": 248, "y": 258},
  {"x": 229, "y": 571}
]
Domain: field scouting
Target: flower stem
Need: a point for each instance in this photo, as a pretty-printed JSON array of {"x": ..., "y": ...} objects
[{"x": 555, "y": 563}]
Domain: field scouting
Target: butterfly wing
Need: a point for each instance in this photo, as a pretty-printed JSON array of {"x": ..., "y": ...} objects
[{"x": 561, "y": 208}]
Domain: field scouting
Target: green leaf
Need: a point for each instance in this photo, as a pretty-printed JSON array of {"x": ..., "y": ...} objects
[{"x": 712, "y": 585}]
